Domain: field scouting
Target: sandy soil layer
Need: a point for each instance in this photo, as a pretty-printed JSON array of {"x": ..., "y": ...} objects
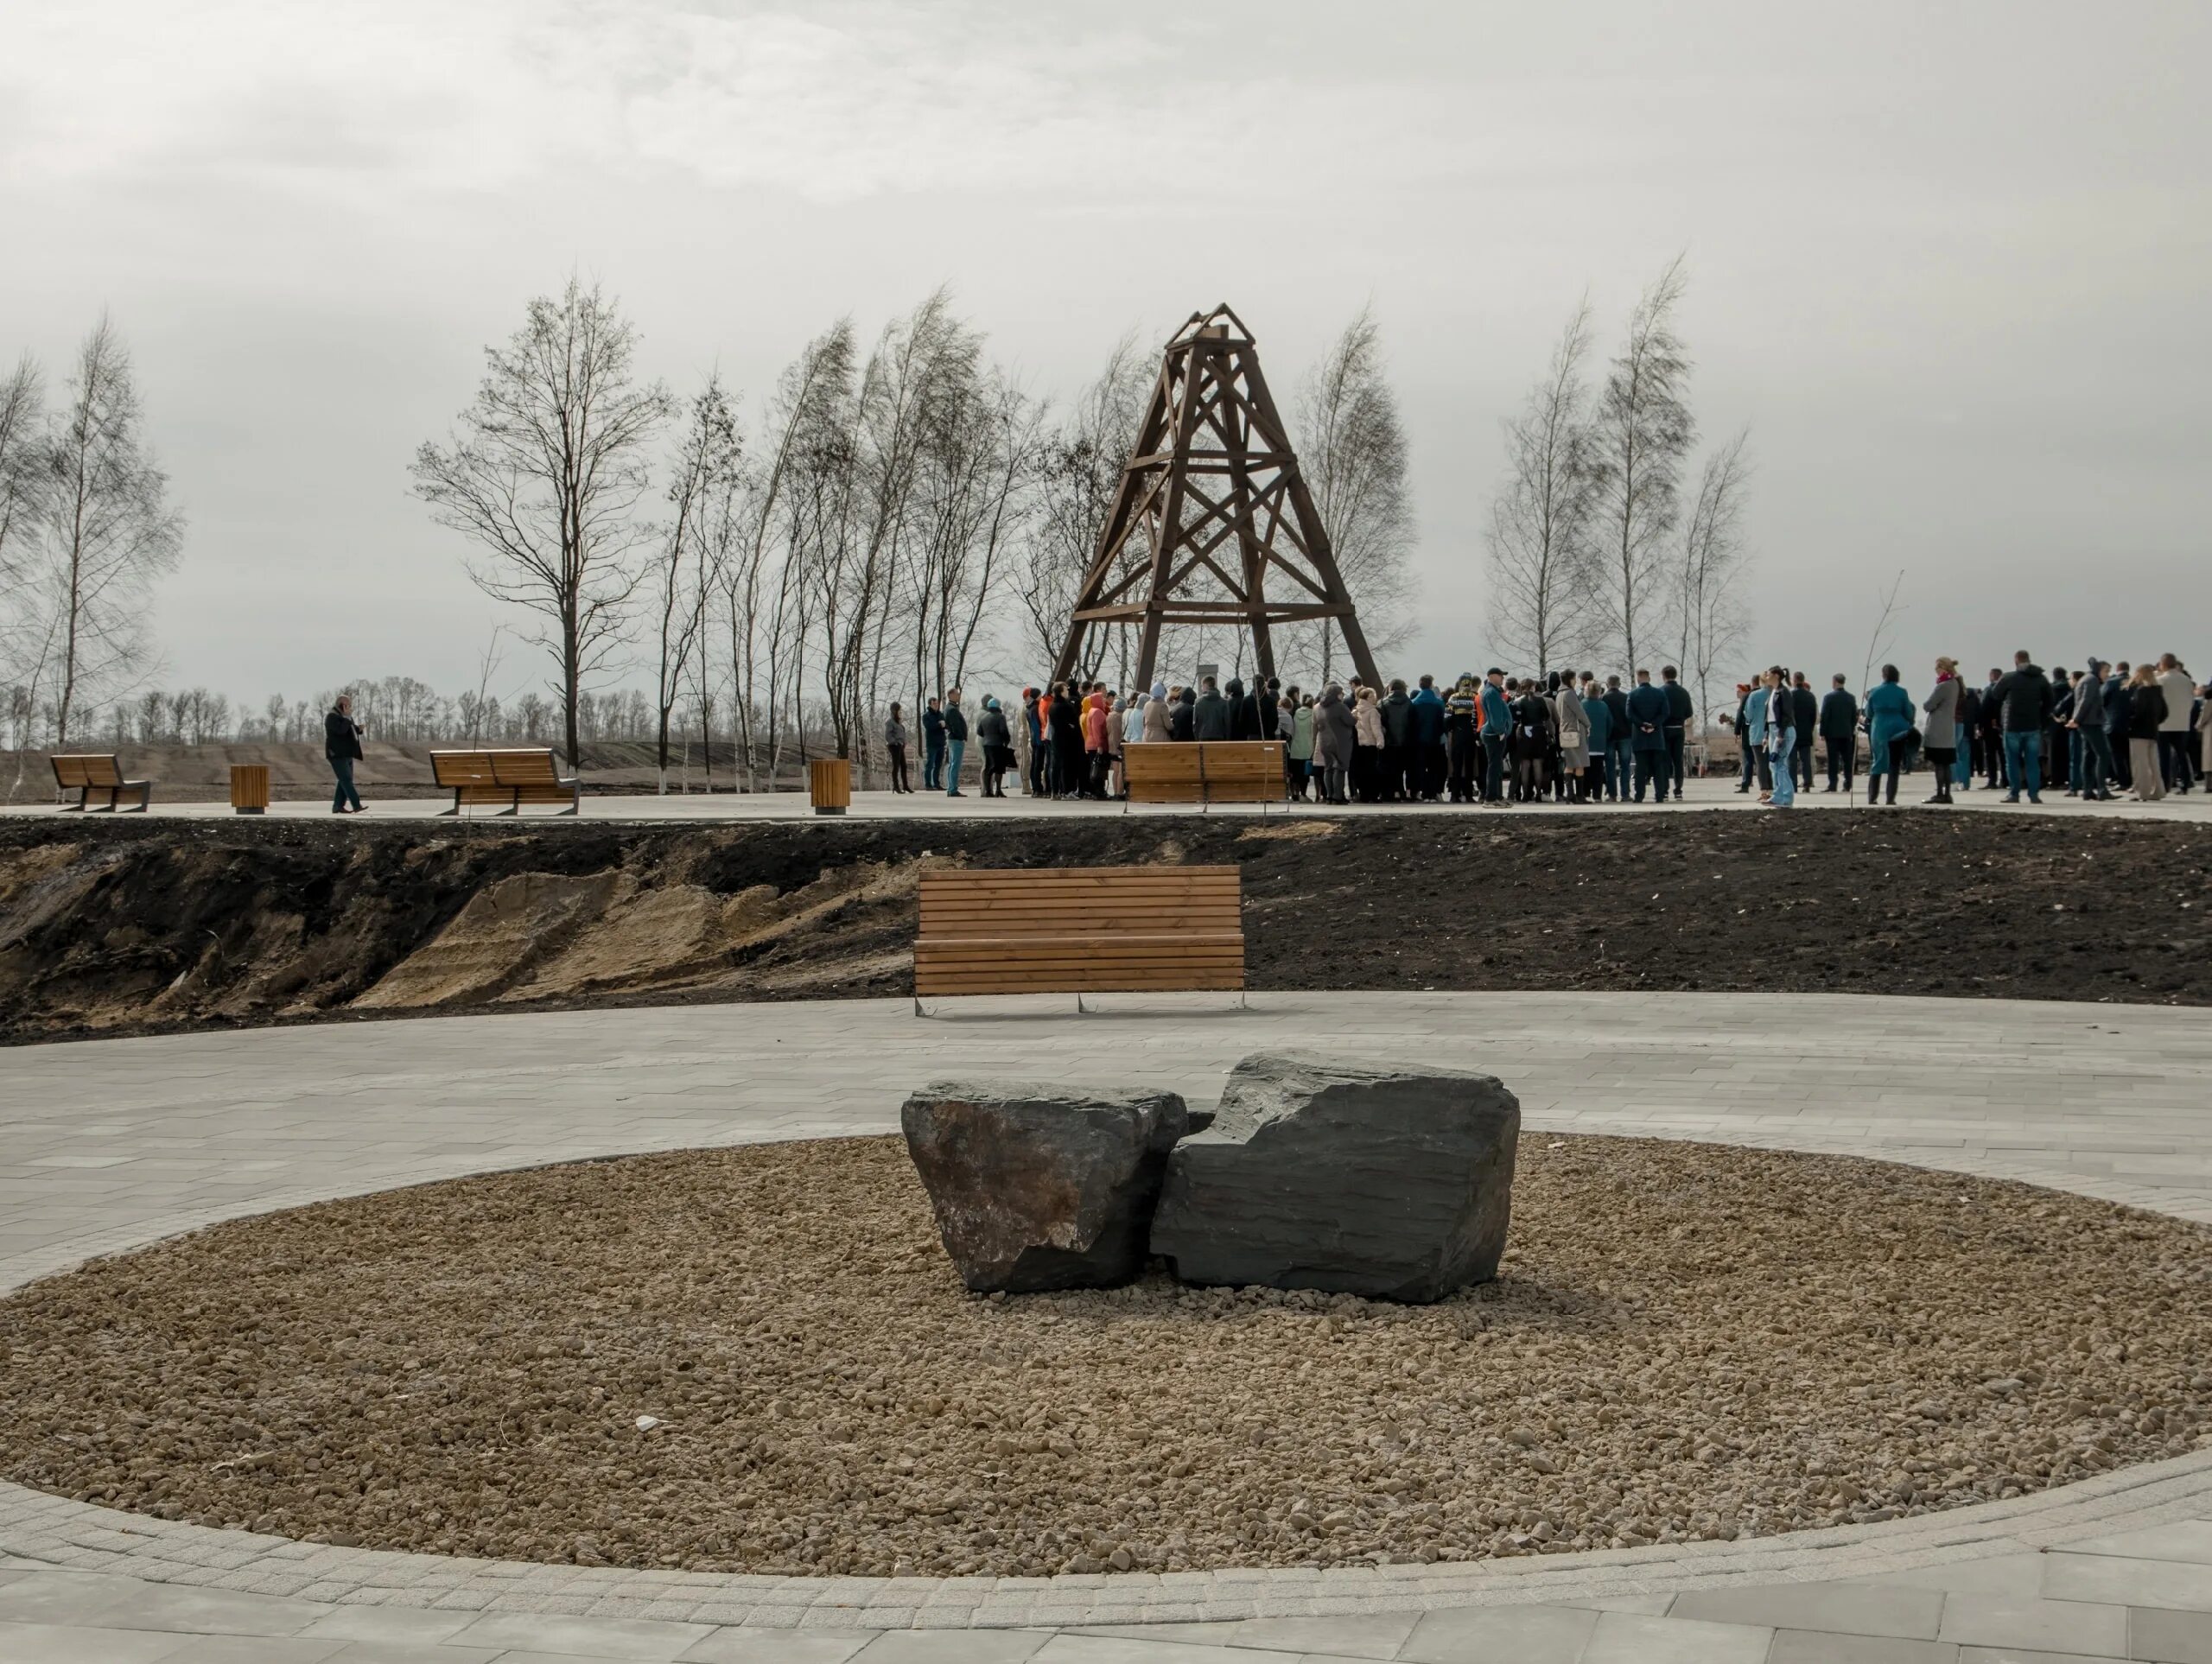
[
  {"x": 759, "y": 1359},
  {"x": 133, "y": 927}
]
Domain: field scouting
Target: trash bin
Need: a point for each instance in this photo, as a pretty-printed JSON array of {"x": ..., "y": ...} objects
[
  {"x": 829, "y": 784},
  {"x": 249, "y": 788}
]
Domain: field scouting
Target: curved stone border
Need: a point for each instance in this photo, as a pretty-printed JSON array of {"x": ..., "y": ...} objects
[{"x": 2096, "y": 1099}]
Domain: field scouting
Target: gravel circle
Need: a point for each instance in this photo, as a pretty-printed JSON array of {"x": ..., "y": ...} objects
[{"x": 759, "y": 1360}]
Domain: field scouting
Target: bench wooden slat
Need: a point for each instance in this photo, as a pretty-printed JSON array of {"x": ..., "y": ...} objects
[
  {"x": 512, "y": 776},
  {"x": 1080, "y": 930},
  {"x": 85, "y": 773},
  {"x": 1204, "y": 771}
]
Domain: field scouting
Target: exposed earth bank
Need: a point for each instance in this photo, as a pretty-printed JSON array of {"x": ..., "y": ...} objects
[{"x": 139, "y": 926}]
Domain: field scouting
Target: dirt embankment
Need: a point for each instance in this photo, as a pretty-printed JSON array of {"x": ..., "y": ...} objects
[{"x": 138, "y": 926}]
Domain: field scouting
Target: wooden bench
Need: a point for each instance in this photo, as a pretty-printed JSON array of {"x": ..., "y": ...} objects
[
  {"x": 86, "y": 774},
  {"x": 510, "y": 778},
  {"x": 1205, "y": 771},
  {"x": 1080, "y": 930}
]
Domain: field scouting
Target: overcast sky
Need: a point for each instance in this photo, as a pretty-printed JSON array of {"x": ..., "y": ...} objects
[{"x": 1951, "y": 263}]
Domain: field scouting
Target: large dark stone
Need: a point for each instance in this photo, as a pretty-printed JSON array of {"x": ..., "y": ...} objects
[
  {"x": 1039, "y": 1187},
  {"x": 1333, "y": 1176}
]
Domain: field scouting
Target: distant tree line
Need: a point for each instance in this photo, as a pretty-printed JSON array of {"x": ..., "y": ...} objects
[{"x": 892, "y": 518}]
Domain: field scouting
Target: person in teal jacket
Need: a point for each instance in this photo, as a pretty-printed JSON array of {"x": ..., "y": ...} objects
[
  {"x": 1598, "y": 716},
  {"x": 1889, "y": 712}
]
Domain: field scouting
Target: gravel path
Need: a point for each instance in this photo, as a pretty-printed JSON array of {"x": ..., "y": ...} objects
[{"x": 1687, "y": 1340}]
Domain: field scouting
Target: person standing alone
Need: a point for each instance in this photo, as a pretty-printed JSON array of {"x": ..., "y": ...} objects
[
  {"x": 894, "y": 741},
  {"x": 341, "y": 744}
]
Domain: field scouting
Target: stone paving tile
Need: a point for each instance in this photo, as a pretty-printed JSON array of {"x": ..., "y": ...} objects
[
  {"x": 411, "y": 1652},
  {"x": 260, "y": 1649},
  {"x": 1528, "y": 1635},
  {"x": 915, "y": 1647},
  {"x": 52, "y": 1643},
  {"x": 614, "y": 1637},
  {"x": 1817, "y": 1647},
  {"x": 2170, "y": 1637},
  {"x": 1625, "y": 1638},
  {"x": 1862, "y": 1610},
  {"x": 2178, "y": 1584},
  {"x": 753, "y": 1647},
  {"x": 2052, "y": 1626},
  {"x": 2189, "y": 1539}
]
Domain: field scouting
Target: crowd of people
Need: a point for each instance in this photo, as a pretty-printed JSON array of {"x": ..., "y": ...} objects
[{"x": 1574, "y": 736}]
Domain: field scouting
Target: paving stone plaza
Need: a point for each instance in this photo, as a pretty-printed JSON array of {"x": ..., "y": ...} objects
[{"x": 109, "y": 1144}]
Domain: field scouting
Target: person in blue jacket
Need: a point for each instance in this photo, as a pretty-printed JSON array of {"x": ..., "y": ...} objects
[
  {"x": 1647, "y": 711},
  {"x": 1889, "y": 711},
  {"x": 1424, "y": 778}
]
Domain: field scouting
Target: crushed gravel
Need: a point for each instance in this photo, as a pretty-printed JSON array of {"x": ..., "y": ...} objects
[{"x": 758, "y": 1359}]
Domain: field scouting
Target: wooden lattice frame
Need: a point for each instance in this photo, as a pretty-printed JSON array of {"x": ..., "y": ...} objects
[{"x": 1212, "y": 419}]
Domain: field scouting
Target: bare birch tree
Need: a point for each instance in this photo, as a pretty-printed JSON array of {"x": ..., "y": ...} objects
[
  {"x": 1710, "y": 617},
  {"x": 108, "y": 532},
  {"x": 684, "y": 573},
  {"x": 544, "y": 473},
  {"x": 1641, "y": 431},
  {"x": 756, "y": 530},
  {"x": 1079, "y": 466},
  {"x": 1543, "y": 610},
  {"x": 1351, "y": 449}
]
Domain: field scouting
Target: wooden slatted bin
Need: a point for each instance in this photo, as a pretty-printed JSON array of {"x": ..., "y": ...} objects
[
  {"x": 829, "y": 784},
  {"x": 249, "y": 788}
]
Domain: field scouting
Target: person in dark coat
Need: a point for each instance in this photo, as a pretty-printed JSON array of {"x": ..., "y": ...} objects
[
  {"x": 1535, "y": 735},
  {"x": 2117, "y": 703},
  {"x": 2087, "y": 721},
  {"x": 1993, "y": 730},
  {"x": 1805, "y": 710},
  {"x": 1617, "y": 762},
  {"x": 1838, "y": 727},
  {"x": 341, "y": 748},
  {"x": 2024, "y": 699},
  {"x": 1243, "y": 713},
  {"x": 1066, "y": 721},
  {"x": 1428, "y": 764},
  {"x": 1648, "y": 710},
  {"x": 1398, "y": 780},
  {"x": 997, "y": 737},
  {"x": 1679, "y": 712},
  {"x": 1210, "y": 719},
  {"x": 1969, "y": 760},
  {"x": 932, "y": 747},
  {"x": 1182, "y": 707}
]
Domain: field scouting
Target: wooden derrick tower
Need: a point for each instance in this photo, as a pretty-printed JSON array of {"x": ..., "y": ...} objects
[{"x": 1209, "y": 501}]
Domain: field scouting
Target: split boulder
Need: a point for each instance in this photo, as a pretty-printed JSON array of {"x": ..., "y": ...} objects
[
  {"x": 1037, "y": 1186},
  {"x": 1357, "y": 1180}
]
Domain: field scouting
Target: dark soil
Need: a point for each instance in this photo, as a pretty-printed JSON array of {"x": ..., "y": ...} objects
[{"x": 120, "y": 927}]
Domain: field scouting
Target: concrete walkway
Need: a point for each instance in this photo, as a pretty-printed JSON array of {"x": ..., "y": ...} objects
[
  {"x": 108, "y": 1144},
  {"x": 2196, "y": 806}
]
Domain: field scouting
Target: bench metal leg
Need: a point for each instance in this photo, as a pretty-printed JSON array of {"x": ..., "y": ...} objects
[
  {"x": 455, "y": 810},
  {"x": 1081, "y": 1009},
  {"x": 145, "y": 797},
  {"x": 77, "y": 808},
  {"x": 919, "y": 1011}
]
